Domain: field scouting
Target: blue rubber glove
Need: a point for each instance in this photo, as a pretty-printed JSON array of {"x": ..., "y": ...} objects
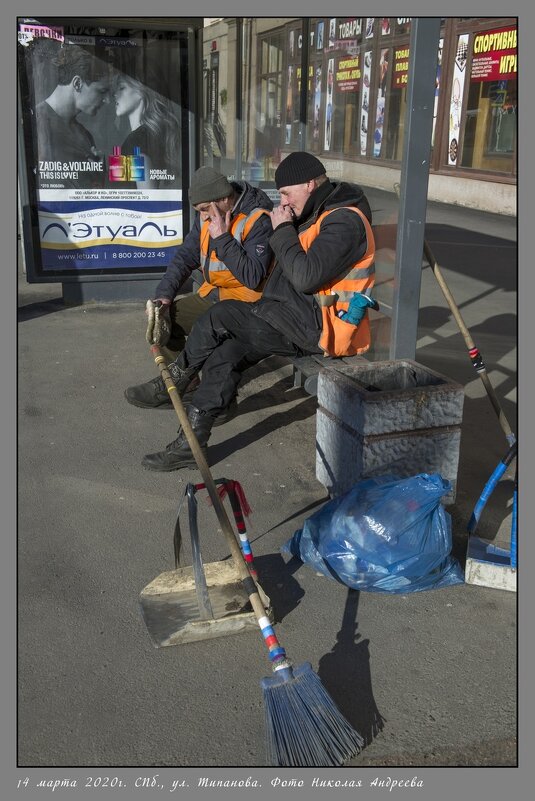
[{"x": 357, "y": 308}]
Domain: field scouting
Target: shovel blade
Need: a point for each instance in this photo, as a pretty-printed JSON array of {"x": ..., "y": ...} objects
[{"x": 170, "y": 608}]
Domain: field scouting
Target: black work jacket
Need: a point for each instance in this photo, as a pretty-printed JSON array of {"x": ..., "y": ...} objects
[
  {"x": 248, "y": 261},
  {"x": 288, "y": 302}
]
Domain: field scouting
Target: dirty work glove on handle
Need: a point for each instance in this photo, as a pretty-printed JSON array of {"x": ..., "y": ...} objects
[{"x": 159, "y": 323}]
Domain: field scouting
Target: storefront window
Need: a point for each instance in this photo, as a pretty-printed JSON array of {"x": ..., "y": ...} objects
[
  {"x": 502, "y": 133},
  {"x": 293, "y": 87},
  {"x": 357, "y": 87},
  {"x": 334, "y": 108},
  {"x": 269, "y": 93},
  {"x": 218, "y": 99},
  {"x": 489, "y": 141},
  {"x": 397, "y": 102},
  {"x": 243, "y": 136},
  {"x": 356, "y": 93}
]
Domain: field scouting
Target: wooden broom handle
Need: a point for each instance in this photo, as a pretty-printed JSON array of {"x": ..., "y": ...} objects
[
  {"x": 506, "y": 428},
  {"x": 209, "y": 482}
]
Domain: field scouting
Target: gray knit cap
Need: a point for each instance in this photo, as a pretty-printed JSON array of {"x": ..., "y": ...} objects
[{"x": 207, "y": 185}]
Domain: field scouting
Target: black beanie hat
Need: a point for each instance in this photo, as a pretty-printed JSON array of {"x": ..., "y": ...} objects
[
  {"x": 207, "y": 185},
  {"x": 298, "y": 168}
]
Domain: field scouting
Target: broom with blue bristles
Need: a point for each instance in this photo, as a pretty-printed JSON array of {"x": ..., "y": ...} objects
[{"x": 304, "y": 727}]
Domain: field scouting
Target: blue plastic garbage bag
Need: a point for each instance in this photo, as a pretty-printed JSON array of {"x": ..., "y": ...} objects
[{"x": 384, "y": 535}]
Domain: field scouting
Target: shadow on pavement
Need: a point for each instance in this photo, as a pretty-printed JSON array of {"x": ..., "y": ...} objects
[
  {"x": 39, "y": 309},
  {"x": 267, "y": 398},
  {"x": 347, "y": 665},
  {"x": 276, "y": 578},
  {"x": 472, "y": 253},
  {"x": 300, "y": 512},
  {"x": 274, "y": 422}
]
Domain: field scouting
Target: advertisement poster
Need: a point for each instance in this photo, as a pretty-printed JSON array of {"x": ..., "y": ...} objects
[
  {"x": 317, "y": 105},
  {"x": 329, "y": 105},
  {"x": 380, "y": 107},
  {"x": 289, "y": 105},
  {"x": 332, "y": 33},
  {"x": 456, "y": 99},
  {"x": 365, "y": 102},
  {"x": 106, "y": 145},
  {"x": 494, "y": 56},
  {"x": 319, "y": 38},
  {"x": 437, "y": 88}
]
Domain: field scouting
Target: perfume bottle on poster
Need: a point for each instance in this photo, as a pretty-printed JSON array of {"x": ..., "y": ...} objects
[
  {"x": 117, "y": 165},
  {"x": 136, "y": 165}
]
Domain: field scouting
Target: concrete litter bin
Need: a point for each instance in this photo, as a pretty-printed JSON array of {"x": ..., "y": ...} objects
[{"x": 387, "y": 417}]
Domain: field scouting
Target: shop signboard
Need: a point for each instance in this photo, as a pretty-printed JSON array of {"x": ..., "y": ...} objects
[
  {"x": 400, "y": 73},
  {"x": 348, "y": 73},
  {"x": 349, "y": 28},
  {"x": 102, "y": 130},
  {"x": 345, "y": 34},
  {"x": 494, "y": 56}
]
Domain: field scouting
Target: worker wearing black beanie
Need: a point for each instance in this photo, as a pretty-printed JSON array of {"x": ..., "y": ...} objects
[{"x": 298, "y": 168}]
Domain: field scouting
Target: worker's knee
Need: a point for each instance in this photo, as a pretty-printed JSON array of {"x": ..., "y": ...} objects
[{"x": 228, "y": 313}]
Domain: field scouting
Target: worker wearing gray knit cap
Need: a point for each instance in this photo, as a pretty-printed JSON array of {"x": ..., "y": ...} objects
[
  {"x": 324, "y": 260},
  {"x": 226, "y": 253}
]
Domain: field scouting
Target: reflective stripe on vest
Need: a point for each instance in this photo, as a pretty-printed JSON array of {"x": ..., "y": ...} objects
[
  {"x": 339, "y": 338},
  {"x": 219, "y": 274}
]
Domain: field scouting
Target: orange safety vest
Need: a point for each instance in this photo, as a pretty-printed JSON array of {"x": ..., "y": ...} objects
[
  {"x": 219, "y": 274},
  {"x": 339, "y": 338}
]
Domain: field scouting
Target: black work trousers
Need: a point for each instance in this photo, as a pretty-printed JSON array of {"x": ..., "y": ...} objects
[
  {"x": 184, "y": 312},
  {"x": 225, "y": 341}
]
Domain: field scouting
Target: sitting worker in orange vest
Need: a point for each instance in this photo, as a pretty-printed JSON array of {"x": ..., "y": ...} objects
[
  {"x": 227, "y": 253},
  {"x": 324, "y": 258}
]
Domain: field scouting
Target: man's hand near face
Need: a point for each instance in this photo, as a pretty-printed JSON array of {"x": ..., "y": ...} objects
[
  {"x": 218, "y": 225},
  {"x": 281, "y": 214}
]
